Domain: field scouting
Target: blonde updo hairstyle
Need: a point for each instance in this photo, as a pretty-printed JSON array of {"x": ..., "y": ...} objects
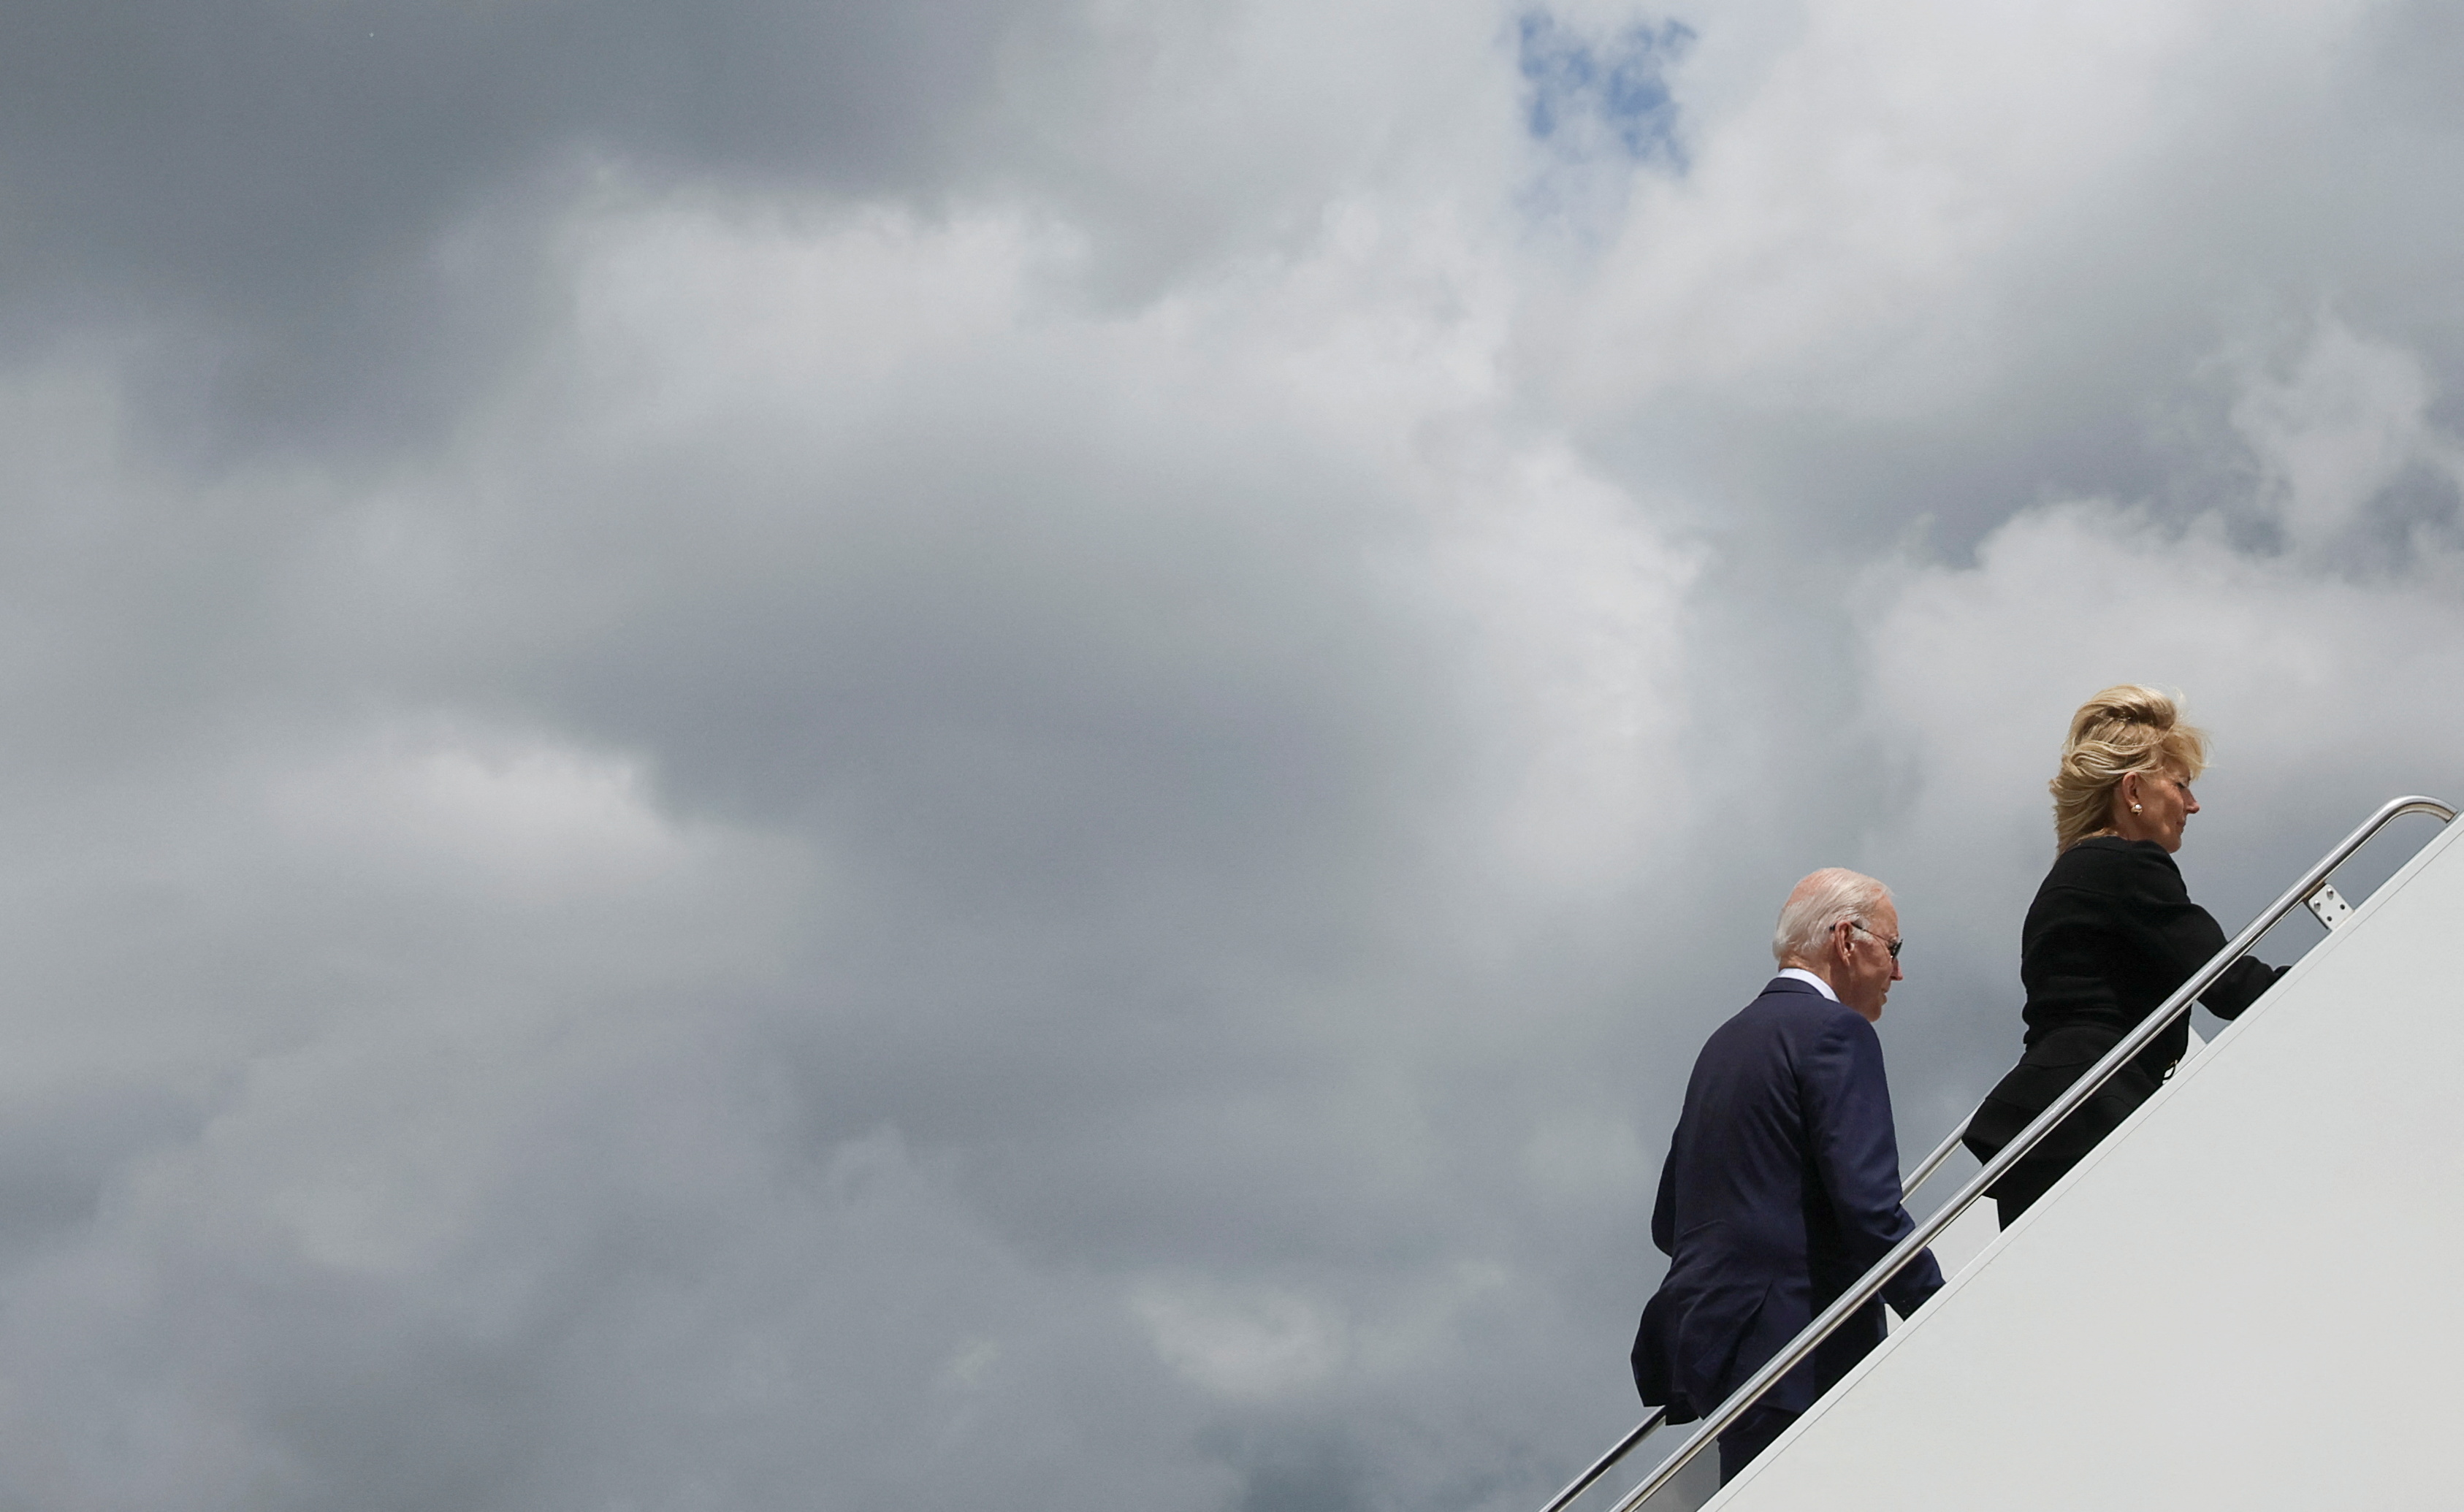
[{"x": 2122, "y": 730}]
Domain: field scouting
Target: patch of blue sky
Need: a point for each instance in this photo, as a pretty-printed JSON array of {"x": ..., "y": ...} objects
[{"x": 1590, "y": 94}]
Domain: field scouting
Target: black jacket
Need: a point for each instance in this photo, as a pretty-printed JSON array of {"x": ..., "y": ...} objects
[
  {"x": 1781, "y": 1188},
  {"x": 2113, "y": 933}
]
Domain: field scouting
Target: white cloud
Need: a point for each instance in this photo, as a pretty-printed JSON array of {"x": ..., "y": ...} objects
[
  {"x": 2334, "y": 432},
  {"x": 1261, "y": 1343},
  {"x": 1897, "y": 212},
  {"x": 528, "y": 822}
]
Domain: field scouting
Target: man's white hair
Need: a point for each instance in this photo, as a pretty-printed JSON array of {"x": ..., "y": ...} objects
[{"x": 1817, "y": 905}]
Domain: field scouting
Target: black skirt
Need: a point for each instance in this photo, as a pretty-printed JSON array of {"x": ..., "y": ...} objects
[{"x": 2047, "y": 1070}]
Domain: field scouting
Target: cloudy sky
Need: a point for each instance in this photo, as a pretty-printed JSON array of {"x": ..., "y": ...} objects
[{"x": 785, "y": 753}]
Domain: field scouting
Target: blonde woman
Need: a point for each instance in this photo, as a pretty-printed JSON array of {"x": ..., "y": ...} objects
[{"x": 2111, "y": 935}]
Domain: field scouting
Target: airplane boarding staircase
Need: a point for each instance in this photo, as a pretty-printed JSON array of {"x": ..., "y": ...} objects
[{"x": 2247, "y": 1296}]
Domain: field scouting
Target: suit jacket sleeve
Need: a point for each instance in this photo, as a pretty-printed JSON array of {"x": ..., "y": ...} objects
[
  {"x": 2174, "y": 929},
  {"x": 1857, "y": 1153},
  {"x": 1664, "y": 1211}
]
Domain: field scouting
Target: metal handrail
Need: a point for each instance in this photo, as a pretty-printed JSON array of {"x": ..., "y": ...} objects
[
  {"x": 1933, "y": 1162},
  {"x": 1721, "y": 1418},
  {"x": 1600, "y": 1466}
]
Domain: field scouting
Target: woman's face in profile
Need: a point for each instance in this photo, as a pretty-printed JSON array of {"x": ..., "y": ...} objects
[{"x": 2164, "y": 803}]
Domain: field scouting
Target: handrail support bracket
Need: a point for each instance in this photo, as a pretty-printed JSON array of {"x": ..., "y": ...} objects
[{"x": 2328, "y": 906}]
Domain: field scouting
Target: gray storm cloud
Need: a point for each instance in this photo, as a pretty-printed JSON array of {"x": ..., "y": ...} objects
[{"x": 784, "y": 757}]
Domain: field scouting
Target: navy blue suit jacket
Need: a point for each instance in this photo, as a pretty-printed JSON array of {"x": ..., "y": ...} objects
[{"x": 1782, "y": 1187}]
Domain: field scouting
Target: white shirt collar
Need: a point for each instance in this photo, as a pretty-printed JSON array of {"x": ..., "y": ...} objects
[{"x": 1804, "y": 975}]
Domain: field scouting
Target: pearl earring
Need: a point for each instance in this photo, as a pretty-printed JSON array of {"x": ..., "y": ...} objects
[{"x": 2134, "y": 808}]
